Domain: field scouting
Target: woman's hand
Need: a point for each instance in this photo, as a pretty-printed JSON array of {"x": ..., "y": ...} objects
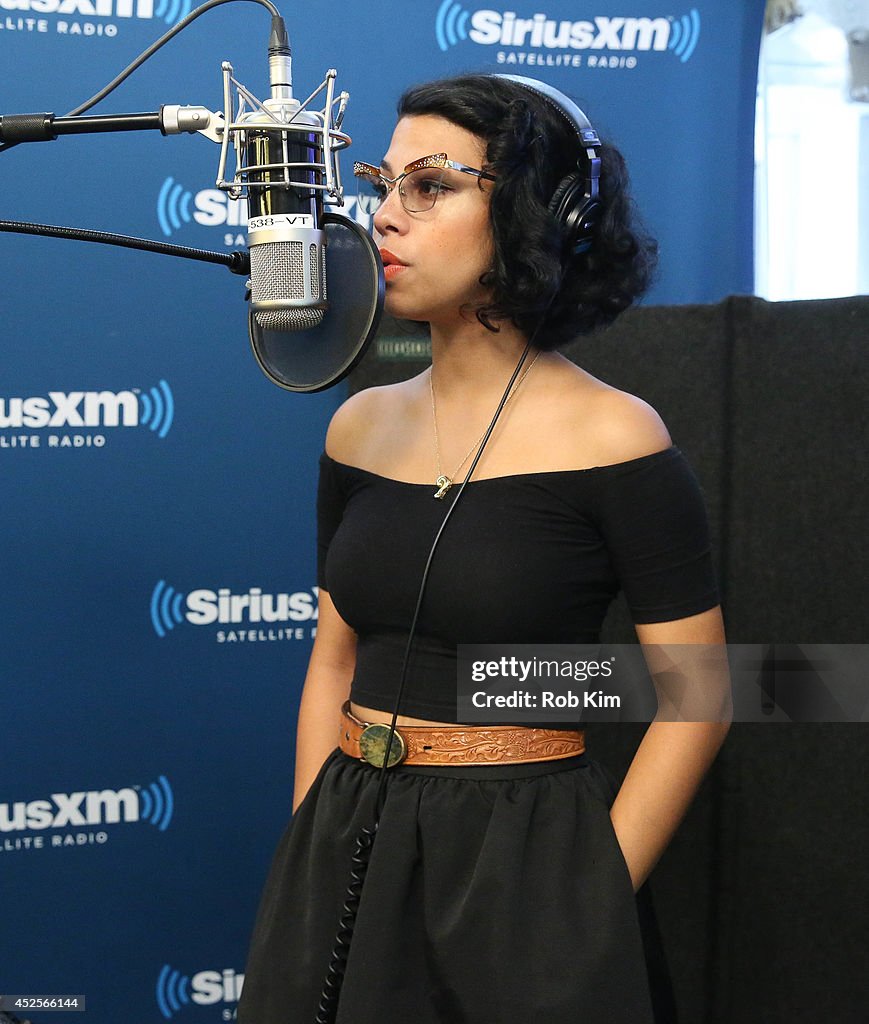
[{"x": 677, "y": 749}]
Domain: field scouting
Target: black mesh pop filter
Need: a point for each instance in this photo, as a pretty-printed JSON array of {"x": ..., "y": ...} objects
[{"x": 316, "y": 358}]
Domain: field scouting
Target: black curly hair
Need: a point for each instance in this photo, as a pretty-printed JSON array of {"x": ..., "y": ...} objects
[{"x": 530, "y": 148}]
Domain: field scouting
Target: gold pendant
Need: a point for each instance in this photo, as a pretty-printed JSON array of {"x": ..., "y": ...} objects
[{"x": 444, "y": 484}]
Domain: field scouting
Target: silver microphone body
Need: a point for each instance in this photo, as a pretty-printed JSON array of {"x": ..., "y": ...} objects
[{"x": 287, "y": 245}]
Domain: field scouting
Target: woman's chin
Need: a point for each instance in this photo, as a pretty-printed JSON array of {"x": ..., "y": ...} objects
[{"x": 394, "y": 306}]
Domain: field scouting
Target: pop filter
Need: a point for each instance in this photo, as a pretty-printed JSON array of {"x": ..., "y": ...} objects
[{"x": 316, "y": 358}]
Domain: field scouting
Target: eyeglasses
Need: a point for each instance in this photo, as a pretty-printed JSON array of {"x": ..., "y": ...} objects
[{"x": 419, "y": 184}]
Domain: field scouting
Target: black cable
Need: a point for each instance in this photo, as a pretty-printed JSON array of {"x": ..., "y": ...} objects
[
  {"x": 149, "y": 52},
  {"x": 338, "y": 962},
  {"x": 155, "y": 46},
  {"x": 328, "y": 1006},
  {"x": 238, "y": 262},
  {"x": 424, "y": 580}
]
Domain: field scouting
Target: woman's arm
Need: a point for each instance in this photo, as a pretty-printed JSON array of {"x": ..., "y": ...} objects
[
  {"x": 674, "y": 756},
  {"x": 333, "y": 657},
  {"x": 327, "y": 686}
]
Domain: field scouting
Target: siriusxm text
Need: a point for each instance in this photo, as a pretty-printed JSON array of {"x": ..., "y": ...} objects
[
  {"x": 489, "y": 28},
  {"x": 97, "y": 807},
  {"x": 71, "y": 409},
  {"x": 88, "y": 8},
  {"x": 205, "y": 607}
]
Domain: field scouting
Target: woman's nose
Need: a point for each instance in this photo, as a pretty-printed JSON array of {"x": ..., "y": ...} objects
[{"x": 390, "y": 214}]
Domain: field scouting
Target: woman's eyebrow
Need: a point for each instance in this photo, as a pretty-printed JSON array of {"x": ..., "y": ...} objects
[{"x": 386, "y": 166}]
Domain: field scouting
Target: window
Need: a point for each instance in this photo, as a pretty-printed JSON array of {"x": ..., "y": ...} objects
[{"x": 812, "y": 156}]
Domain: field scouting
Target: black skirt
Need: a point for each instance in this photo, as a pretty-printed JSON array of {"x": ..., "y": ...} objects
[{"x": 494, "y": 894}]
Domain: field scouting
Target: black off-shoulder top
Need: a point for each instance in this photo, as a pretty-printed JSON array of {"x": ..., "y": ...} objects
[{"x": 528, "y": 558}]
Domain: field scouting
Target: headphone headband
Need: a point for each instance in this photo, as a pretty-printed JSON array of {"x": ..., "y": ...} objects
[
  {"x": 581, "y": 124},
  {"x": 576, "y": 201}
]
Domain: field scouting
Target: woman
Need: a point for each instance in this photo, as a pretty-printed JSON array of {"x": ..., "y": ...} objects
[{"x": 495, "y": 892}]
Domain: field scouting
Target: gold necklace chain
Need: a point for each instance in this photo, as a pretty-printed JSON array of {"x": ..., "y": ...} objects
[{"x": 444, "y": 482}]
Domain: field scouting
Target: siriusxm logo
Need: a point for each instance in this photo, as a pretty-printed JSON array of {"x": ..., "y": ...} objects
[
  {"x": 454, "y": 24},
  {"x": 170, "y": 608},
  {"x": 176, "y": 990},
  {"x": 154, "y": 408},
  {"x": 169, "y": 11},
  {"x": 153, "y": 804},
  {"x": 177, "y": 206}
]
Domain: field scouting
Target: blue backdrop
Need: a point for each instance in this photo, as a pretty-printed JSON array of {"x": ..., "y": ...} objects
[{"x": 157, "y": 586}]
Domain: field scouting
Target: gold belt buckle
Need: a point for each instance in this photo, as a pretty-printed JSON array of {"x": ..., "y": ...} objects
[{"x": 372, "y": 745}]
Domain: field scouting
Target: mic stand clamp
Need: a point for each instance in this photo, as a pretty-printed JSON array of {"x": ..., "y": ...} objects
[{"x": 175, "y": 120}]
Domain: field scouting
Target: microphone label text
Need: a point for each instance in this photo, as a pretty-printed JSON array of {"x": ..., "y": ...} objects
[{"x": 280, "y": 220}]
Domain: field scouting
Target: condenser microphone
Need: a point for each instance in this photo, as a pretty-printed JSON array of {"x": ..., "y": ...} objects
[
  {"x": 285, "y": 237},
  {"x": 289, "y": 171},
  {"x": 287, "y": 245}
]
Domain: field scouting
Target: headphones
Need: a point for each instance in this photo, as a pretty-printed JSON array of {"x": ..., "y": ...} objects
[{"x": 576, "y": 203}]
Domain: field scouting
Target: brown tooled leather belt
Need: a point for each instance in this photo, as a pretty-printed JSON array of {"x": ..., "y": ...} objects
[{"x": 458, "y": 744}]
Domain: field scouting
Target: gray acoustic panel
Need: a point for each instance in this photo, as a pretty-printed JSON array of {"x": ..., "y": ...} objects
[
  {"x": 675, "y": 358},
  {"x": 798, "y": 500}
]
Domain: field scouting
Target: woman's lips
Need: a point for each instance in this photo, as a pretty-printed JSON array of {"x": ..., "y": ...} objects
[{"x": 392, "y": 265}]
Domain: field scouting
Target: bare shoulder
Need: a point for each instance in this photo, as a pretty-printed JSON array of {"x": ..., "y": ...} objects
[
  {"x": 360, "y": 424},
  {"x": 603, "y": 423},
  {"x": 627, "y": 427}
]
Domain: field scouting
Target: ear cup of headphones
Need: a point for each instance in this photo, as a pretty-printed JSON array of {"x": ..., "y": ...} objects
[{"x": 576, "y": 210}]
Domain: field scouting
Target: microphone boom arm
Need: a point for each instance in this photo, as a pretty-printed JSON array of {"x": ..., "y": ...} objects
[{"x": 170, "y": 119}]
